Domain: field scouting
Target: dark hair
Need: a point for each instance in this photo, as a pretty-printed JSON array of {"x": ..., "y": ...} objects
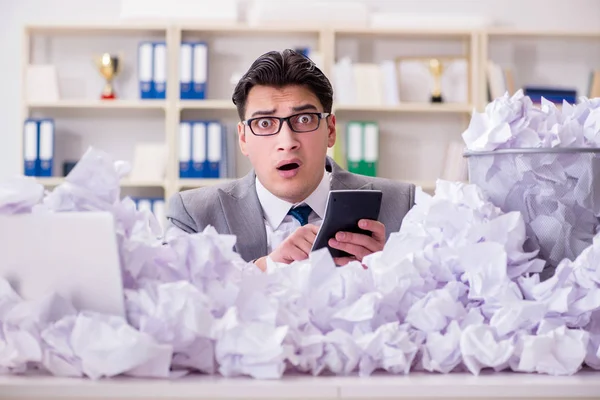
[{"x": 280, "y": 69}]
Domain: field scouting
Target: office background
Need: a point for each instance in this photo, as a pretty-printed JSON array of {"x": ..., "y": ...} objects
[{"x": 421, "y": 139}]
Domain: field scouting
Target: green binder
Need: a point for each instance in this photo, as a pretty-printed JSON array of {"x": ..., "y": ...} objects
[
  {"x": 362, "y": 147},
  {"x": 354, "y": 146},
  {"x": 370, "y": 148}
]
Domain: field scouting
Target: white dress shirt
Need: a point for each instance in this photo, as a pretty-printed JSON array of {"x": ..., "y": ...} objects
[{"x": 279, "y": 225}]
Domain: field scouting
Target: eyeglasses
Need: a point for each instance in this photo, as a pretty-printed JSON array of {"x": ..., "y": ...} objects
[{"x": 268, "y": 126}]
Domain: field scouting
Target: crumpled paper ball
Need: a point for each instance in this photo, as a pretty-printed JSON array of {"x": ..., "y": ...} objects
[
  {"x": 542, "y": 162},
  {"x": 453, "y": 290}
]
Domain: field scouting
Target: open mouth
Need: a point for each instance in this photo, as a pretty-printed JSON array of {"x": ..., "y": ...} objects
[{"x": 288, "y": 167}]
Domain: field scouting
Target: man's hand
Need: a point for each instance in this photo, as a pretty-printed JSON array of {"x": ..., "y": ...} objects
[
  {"x": 295, "y": 247},
  {"x": 357, "y": 244}
]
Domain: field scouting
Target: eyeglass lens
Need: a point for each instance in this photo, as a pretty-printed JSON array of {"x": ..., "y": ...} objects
[{"x": 298, "y": 123}]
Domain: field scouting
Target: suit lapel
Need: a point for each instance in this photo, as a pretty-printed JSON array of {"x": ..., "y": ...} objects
[
  {"x": 243, "y": 214},
  {"x": 344, "y": 180}
]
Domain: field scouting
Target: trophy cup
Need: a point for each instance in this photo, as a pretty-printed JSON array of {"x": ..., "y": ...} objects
[
  {"x": 436, "y": 69},
  {"x": 109, "y": 66}
]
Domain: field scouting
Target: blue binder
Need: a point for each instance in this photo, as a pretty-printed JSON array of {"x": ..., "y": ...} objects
[
  {"x": 46, "y": 147},
  {"x": 186, "y": 89},
  {"x": 199, "y": 150},
  {"x": 185, "y": 149},
  {"x": 145, "y": 69},
  {"x": 30, "y": 147},
  {"x": 200, "y": 70},
  {"x": 214, "y": 148},
  {"x": 159, "y": 70}
]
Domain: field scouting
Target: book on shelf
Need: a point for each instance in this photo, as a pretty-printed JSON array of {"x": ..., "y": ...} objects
[
  {"x": 193, "y": 70},
  {"x": 362, "y": 147},
  {"x": 38, "y": 147},
  {"x": 391, "y": 82},
  {"x": 206, "y": 150},
  {"x": 152, "y": 69},
  {"x": 554, "y": 94}
]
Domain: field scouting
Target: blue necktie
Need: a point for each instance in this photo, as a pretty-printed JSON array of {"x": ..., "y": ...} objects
[{"x": 301, "y": 213}]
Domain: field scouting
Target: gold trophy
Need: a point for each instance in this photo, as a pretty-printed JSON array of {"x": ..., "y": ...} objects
[
  {"x": 109, "y": 66},
  {"x": 436, "y": 69}
]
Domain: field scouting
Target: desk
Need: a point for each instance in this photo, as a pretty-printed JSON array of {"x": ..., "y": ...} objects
[{"x": 585, "y": 384}]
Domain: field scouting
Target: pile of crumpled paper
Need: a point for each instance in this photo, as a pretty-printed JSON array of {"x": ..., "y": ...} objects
[
  {"x": 453, "y": 290},
  {"x": 543, "y": 162}
]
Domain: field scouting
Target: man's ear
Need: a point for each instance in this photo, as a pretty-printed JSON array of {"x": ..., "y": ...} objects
[
  {"x": 331, "y": 131},
  {"x": 242, "y": 138}
]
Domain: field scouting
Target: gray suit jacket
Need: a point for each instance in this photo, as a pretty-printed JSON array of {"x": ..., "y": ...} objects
[{"x": 234, "y": 208}]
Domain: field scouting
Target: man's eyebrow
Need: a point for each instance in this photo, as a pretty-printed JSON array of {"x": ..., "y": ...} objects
[
  {"x": 305, "y": 107},
  {"x": 263, "y": 112}
]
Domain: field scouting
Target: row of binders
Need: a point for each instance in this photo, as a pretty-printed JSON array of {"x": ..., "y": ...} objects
[
  {"x": 193, "y": 70},
  {"x": 38, "y": 147},
  {"x": 155, "y": 206},
  {"x": 362, "y": 147},
  {"x": 203, "y": 150}
]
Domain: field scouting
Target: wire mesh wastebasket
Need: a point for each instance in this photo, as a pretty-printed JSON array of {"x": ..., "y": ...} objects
[{"x": 557, "y": 190}]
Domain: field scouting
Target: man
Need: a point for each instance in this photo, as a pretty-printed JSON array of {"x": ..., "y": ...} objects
[{"x": 284, "y": 103}]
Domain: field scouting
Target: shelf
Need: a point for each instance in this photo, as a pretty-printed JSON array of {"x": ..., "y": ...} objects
[
  {"x": 51, "y": 181},
  {"x": 206, "y": 105},
  {"x": 407, "y": 32},
  {"x": 406, "y": 107},
  {"x": 427, "y": 186},
  {"x": 236, "y": 29},
  {"x": 543, "y": 33},
  {"x": 101, "y": 104},
  {"x": 130, "y": 28},
  {"x": 147, "y": 184},
  {"x": 57, "y": 180},
  {"x": 194, "y": 183}
]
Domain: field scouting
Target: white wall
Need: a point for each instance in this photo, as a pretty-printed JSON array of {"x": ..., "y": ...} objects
[{"x": 559, "y": 14}]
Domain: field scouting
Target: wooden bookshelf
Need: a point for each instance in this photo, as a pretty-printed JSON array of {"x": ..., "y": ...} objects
[{"x": 473, "y": 44}]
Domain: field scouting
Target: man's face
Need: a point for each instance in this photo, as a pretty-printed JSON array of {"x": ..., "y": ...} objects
[{"x": 289, "y": 164}]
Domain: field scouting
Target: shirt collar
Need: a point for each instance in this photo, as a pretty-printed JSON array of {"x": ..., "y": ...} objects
[{"x": 275, "y": 209}]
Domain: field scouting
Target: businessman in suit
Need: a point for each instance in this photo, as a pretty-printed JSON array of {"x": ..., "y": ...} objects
[{"x": 284, "y": 104}]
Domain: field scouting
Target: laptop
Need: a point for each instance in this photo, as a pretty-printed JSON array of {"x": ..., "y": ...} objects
[{"x": 73, "y": 254}]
